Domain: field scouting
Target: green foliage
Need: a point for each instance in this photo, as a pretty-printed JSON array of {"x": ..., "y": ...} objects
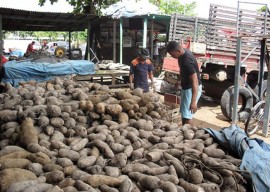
[
  {"x": 174, "y": 6},
  {"x": 262, "y": 9},
  {"x": 94, "y": 6},
  {"x": 85, "y": 6}
]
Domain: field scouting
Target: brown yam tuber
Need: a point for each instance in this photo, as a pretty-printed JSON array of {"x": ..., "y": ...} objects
[
  {"x": 14, "y": 163},
  {"x": 215, "y": 153},
  {"x": 154, "y": 156},
  {"x": 190, "y": 187},
  {"x": 114, "y": 109},
  {"x": 70, "y": 154},
  {"x": 210, "y": 187},
  {"x": 97, "y": 180},
  {"x": 8, "y": 115},
  {"x": 14, "y": 175},
  {"x": 168, "y": 187},
  {"x": 123, "y": 117},
  {"x": 54, "y": 111},
  {"x": 195, "y": 176},
  {"x": 28, "y": 133},
  {"x": 149, "y": 182},
  {"x": 101, "y": 145}
]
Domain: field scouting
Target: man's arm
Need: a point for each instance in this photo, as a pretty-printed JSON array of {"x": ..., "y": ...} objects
[
  {"x": 131, "y": 77},
  {"x": 151, "y": 76},
  {"x": 195, "y": 88}
]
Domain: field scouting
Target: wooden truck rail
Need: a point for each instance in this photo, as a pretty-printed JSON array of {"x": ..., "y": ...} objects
[
  {"x": 224, "y": 26},
  {"x": 213, "y": 41}
]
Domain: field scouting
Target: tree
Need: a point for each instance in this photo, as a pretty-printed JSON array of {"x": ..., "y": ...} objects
[
  {"x": 174, "y": 6},
  {"x": 85, "y": 6},
  {"x": 94, "y": 6},
  {"x": 262, "y": 9}
]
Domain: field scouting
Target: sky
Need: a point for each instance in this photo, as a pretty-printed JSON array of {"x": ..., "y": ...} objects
[
  {"x": 202, "y": 9},
  {"x": 32, "y": 5}
]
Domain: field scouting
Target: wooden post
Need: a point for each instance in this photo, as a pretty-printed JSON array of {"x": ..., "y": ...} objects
[
  {"x": 236, "y": 80},
  {"x": 151, "y": 37},
  {"x": 1, "y": 40},
  {"x": 121, "y": 41},
  {"x": 114, "y": 41},
  {"x": 88, "y": 40},
  {"x": 144, "y": 32}
]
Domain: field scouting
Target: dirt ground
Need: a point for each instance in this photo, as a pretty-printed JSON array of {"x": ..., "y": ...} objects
[{"x": 209, "y": 115}]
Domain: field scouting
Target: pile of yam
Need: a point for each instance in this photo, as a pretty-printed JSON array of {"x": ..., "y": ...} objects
[{"x": 81, "y": 136}]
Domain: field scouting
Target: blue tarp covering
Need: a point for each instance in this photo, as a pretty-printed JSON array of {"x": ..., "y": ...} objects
[
  {"x": 27, "y": 70},
  {"x": 255, "y": 154}
]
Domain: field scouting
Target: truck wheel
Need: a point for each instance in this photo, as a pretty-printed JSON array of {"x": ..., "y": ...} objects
[
  {"x": 264, "y": 87},
  {"x": 246, "y": 99}
]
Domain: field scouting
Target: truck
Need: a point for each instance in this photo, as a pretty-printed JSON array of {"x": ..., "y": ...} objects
[{"x": 213, "y": 41}]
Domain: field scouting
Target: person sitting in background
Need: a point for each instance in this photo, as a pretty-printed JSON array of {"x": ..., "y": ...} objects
[
  {"x": 30, "y": 48},
  {"x": 140, "y": 69},
  {"x": 155, "y": 52}
]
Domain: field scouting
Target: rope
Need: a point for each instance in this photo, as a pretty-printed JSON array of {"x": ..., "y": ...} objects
[{"x": 191, "y": 161}]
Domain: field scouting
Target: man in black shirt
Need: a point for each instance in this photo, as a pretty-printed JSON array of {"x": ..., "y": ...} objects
[{"x": 190, "y": 80}]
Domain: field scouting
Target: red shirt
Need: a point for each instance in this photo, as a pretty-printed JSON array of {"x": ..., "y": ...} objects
[
  {"x": 3, "y": 61},
  {"x": 30, "y": 48}
]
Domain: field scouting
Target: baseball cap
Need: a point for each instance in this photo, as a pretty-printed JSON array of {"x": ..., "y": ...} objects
[{"x": 144, "y": 53}]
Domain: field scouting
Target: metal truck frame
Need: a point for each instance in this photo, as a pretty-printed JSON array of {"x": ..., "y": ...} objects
[{"x": 214, "y": 44}]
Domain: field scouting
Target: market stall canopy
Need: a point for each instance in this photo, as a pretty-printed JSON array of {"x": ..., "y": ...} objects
[
  {"x": 21, "y": 20},
  {"x": 130, "y": 9}
]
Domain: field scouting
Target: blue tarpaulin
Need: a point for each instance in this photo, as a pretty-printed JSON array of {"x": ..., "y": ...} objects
[
  {"x": 14, "y": 71},
  {"x": 255, "y": 154}
]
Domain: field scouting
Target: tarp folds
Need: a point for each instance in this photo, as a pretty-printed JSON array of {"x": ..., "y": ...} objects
[
  {"x": 255, "y": 154},
  {"x": 130, "y": 8},
  {"x": 14, "y": 71}
]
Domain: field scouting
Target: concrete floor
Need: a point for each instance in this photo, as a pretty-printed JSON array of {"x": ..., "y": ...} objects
[{"x": 209, "y": 115}]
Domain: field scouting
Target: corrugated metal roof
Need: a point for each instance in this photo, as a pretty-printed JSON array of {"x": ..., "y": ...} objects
[{"x": 21, "y": 20}]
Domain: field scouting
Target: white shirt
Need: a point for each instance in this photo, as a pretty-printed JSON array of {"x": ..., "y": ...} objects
[{"x": 156, "y": 46}]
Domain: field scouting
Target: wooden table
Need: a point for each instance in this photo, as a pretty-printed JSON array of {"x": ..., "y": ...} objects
[{"x": 105, "y": 74}]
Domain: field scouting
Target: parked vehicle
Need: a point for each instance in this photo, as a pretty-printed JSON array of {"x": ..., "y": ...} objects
[
  {"x": 52, "y": 47},
  {"x": 213, "y": 42}
]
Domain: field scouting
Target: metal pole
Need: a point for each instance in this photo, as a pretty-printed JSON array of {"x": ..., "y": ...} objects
[
  {"x": 265, "y": 20},
  {"x": 151, "y": 37},
  {"x": 236, "y": 80},
  {"x": 144, "y": 32},
  {"x": 266, "y": 109},
  {"x": 1, "y": 39},
  {"x": 238, "y": 14},
  {"x": 88, "y": 40},
  {"x": 244, "y": 60},
  {"x": 69, "y": 44},
  {"x": 261, "y": 69},
  {"x": 114, "y": 41},
  {"x": 195, "y": 30},
  {"x": 121, "y": 41}
]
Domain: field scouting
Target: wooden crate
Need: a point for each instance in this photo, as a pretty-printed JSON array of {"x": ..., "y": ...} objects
[{"x": 173, "y": 114}]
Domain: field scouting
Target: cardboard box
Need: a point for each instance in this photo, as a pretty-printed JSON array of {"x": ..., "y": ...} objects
[
  {"x": 171, "y": 98},
  {"x": 198, "y": 48}
]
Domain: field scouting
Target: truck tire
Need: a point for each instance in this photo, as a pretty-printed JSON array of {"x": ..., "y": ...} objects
[
  {"x": 264, "y": 88},
  {"x": 226, "y": 103}
]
